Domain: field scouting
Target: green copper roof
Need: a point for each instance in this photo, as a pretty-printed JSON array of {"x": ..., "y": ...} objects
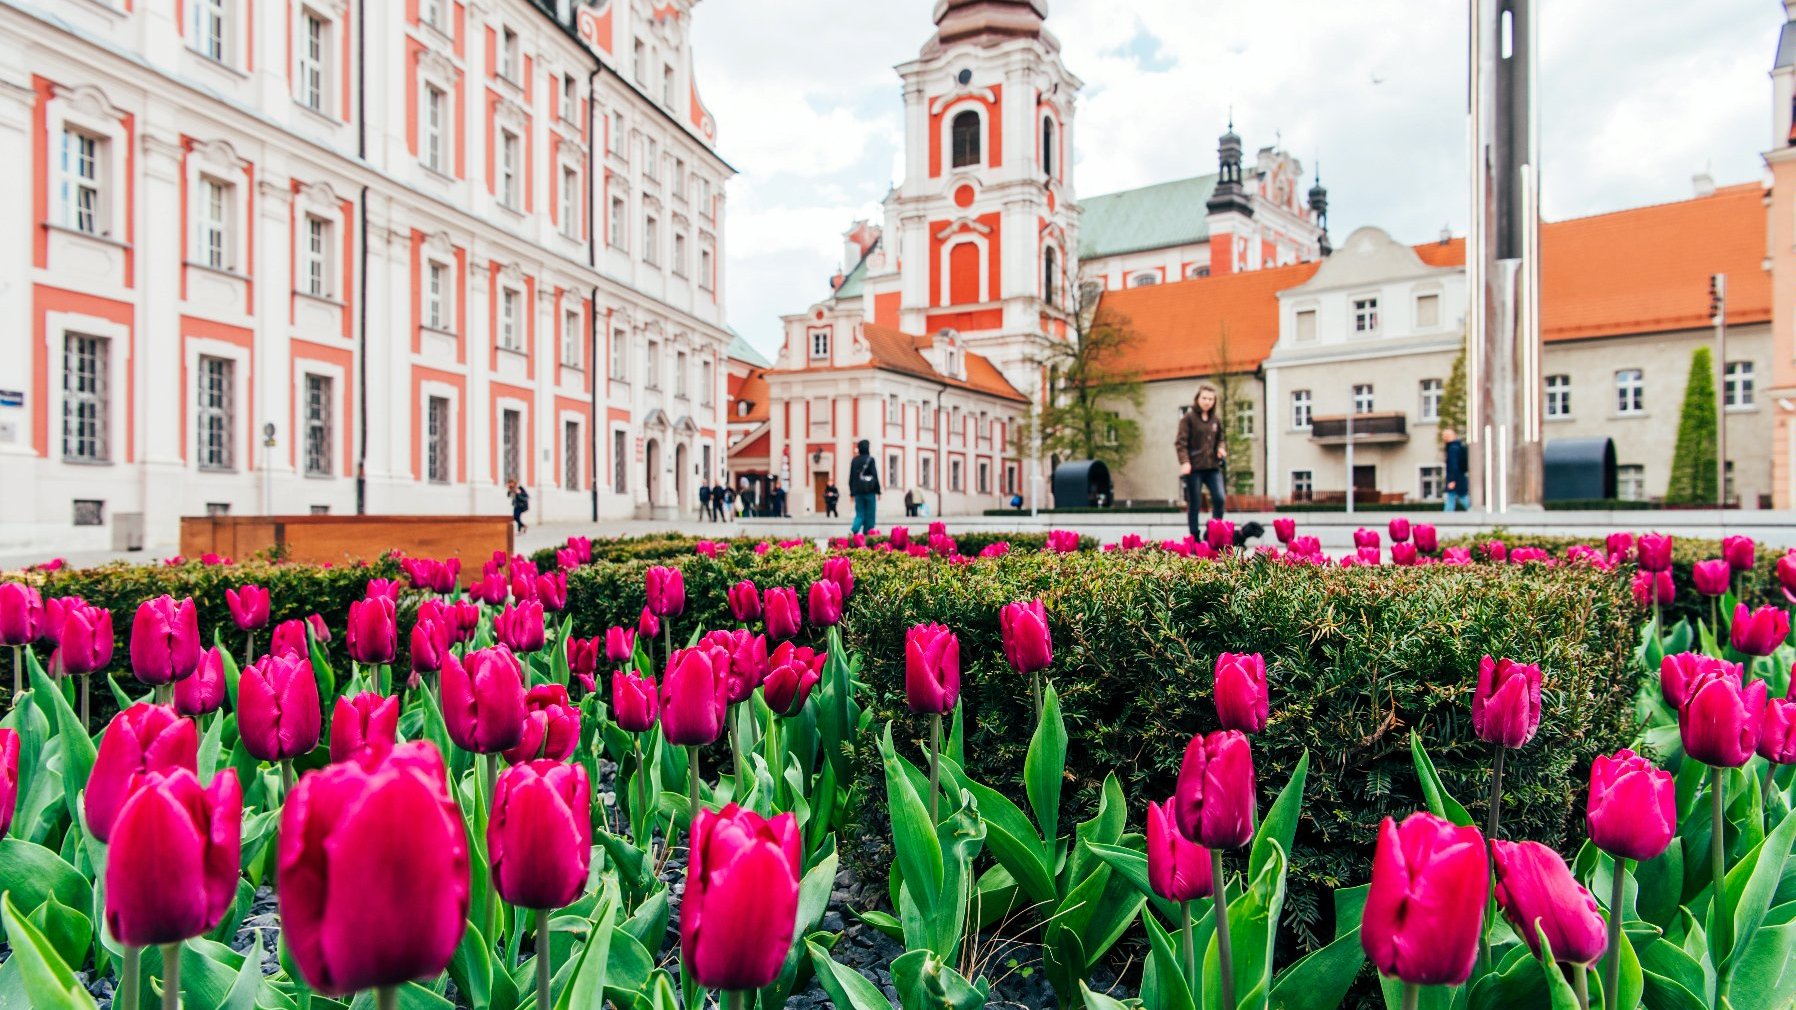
[
  {"x": 742, "y": 350},
  {"x": 851, "y": 285},
  {"x": 1152, "y": 217}
]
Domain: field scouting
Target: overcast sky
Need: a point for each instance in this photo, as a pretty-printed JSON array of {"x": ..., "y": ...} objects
[{"x": 1636, "y": 98}]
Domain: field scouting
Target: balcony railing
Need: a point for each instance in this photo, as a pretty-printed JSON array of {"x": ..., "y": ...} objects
[{"x": 1369, "y": 428}]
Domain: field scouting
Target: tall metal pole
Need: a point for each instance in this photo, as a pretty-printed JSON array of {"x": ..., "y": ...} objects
[
  {"x": 1718, "y": 295},
  {"x": 1350, "y": 485}
]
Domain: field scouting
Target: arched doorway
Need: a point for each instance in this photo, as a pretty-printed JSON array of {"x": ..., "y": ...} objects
[
  {"x": 651, "y": 483},
  {"x": 680, "y": 480}
]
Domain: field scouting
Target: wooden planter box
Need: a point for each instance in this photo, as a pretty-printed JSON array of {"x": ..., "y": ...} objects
[{"x": 348, "y": 539}]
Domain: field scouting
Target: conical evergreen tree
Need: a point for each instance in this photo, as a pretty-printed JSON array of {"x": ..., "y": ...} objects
[
  {"x": 1693, "y": 462},
  {"x": 1453, "y": 399}
]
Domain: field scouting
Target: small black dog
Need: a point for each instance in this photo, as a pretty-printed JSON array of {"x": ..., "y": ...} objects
[{"x": 1246, "y": 531}]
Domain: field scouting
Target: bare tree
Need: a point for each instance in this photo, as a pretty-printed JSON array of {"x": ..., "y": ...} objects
[{"x": 1080, "y": 415}]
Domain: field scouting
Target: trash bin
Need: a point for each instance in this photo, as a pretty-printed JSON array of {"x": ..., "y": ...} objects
[
  {"x": 1082, "y": 483},
  {"x": 127, "y": 531},
  {"x": 1579, "y": 469}
]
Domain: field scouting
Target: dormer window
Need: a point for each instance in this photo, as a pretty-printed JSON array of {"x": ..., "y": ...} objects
[
  {"x": 1365, "y": 315},
  {"x": 819, "y": 344},
  {"x": 965, "y": 138}
]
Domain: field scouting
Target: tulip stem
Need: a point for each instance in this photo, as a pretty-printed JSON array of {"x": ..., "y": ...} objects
[
  {"x": 1612, "y": 971},
  {"x": 18, "y": 673},
  {"x": 1224, "y": 953},
  {"x": 1493, "y": 818},
  {"x": 164, "y": 693},
  {"x": 249, "y": 646},
  {"x": 1035, "y": 693},
  {"x": 171, "y": 976},
  {"x": 545, "y": 962},
  {"x": 131, "y": 979},
  {"x": 731, "y": 715},
  {"x": 1412, "y": 996},
  {"x": 1714, "y": 629},
  {"x": 1190, "y": 944},
  {"x": 1717, "y": 842},
  {"x": 286, "y": 778},
  {"x": 935, "y": 768},
  {"x": 1581, "y": 985},
  {"x": 692, "y": 778},
  {"x": 84, "y": 679},
  {"x": 386, "y": 998},
  {"x": 1659, "y": 632}
]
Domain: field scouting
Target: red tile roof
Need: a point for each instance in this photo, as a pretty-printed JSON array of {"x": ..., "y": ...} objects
[
  {"x": 754, "y": 390},
  {"x": 1180, "y": 328},
  {"x": 897, "y": 351}
]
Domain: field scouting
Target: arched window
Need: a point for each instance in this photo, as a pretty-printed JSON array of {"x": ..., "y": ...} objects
[
  {"x": 965, "y": 133},
  {"x": 1047, "y": 146},
  {"x": 1144, "y": 280},
  {"x": 1050, "y": 274}
]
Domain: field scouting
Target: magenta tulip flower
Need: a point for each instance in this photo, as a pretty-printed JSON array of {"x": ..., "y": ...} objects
[
  {"x": 693, "y": 696},
  {"x": 21, "y": 613},
  {"x": 1777, "y": 731},
  {"x": 781, "y": 610},
  {"x": 1240, "y": 687},
  {"x": 373, "y": 632},
  {"x": 142, "y": 739},
  {"x": 795, "y": 671},
  {"x": 1285, "y": 528},
  {"x": 365, "y": 726},
  {"x": 745, "y": 601},
  {"x": 825, "y": 603},
  {"x": 1632, "y": 810},
  {"x": 1425, "y": 538},
  {"x": 289, "y": 639},
  {"x": 551, "y": 591},
  {"x": 1214, "y": 802},
  {"x": 1506, "y": 704},
  {"x": 931, "y": 669},
  {"x": 203, "y": 692},
  {"x": 519, "y": 627},
  {"x": 620, "y": 644},
  {"x": 741, "y": 901},
  {"x": 1219, "y": 534},
  {"x": 648, "y": 625},
  {"x": 173, "y": 863},
  {"x": 1399, "y": 530},
  {"x": 1720, "y": 719},
  {"x": 483, "y": 700},
  {"x": 279, "y": 714},
  {"x": 1758, "y": 632},
  {"x": 634, "y": 705},
  {"x": 1679, "y": 670},
  {"x": 1711, "y": 577},
  {"x": 539, "y": 838},
  {"x": 1027, "y": 643},
  {"x": 747, "y": 661},
  {"x": 1404, "y": 555},
  {"x": 1619, "y": 543},
  {"x": 1786, "y": 575},
  {"x": 373, "y": 865},
  {"x": 84, "y": 642},
  {"x": 1363, "y": 537},
  {"x": 249, "y": 607},
  {"x": 666, "y": 591},
  {"x": 9, "y": 778},
  {"x": 430, "y": 643},
  {"x": 1537, "y": 893},
  {"x": 1740, "y": 552},
  {"x": 840, "y": 571},
  {"x": 1424, "y": 910},
  {"x": 1178, "y": 869},
  {"x": 1652, "y": 552},
  {"x": 1653, "y": 587},
  {"x": 551, "y": 726}
]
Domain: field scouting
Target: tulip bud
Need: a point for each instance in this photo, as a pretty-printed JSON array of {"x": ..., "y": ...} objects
[
  {"x": 366, "y": 725},
  {"x": 841, "y": 572},
  {"x": 172, "y": 866},
  {"x": 781, "y": 610},
  {"x": 249, "y": 606},
  {"x": 1027, "y": 643},
  {"x": 583, "y": 656},
  {"x": 1311, "y": 546},
  {"x": 747, "y": 661},
  {"x": 1537, "y": 893},
  {"x": 1240, "y": 687},
  {"x": 1720, "y": 719},
  {"x": 633, "y": 703},
  {"x": 1062, "y": 542},
  {"x": 1651, "y": 587},
  {"x": 1426, "y": 539},
  {"x": 142, "y": 739},
  {"x": 349, "y": 917},
  {"x": 539, "y": 838},
  {"x": 21, "y": 613},
  {"x": 1740, "y": 552},
  {"x": 204, "y": 691},
  {"x": 1677, "y": 672},
  {"x": 279, "y": 715},
  {"x": 648, "y": 625},
  {"x": 1399, "y": 530},
  {"x": 551, "y": 726},
  {"x": 795, "y": 672},
  {"x": 519, "y": 627},
  {"x": 1758, "y": 632},
  {"x": 288, "y": 639},
  {"x": 483, "y": 700},
  {"x": 931, "y": 669},
  {"x": 693, "y": 696},
  {"x": 1215, "y": 800},
  {"x": 1178, "y": 869},
  {"x": 1285, "y": 528},
  {"x": 741, "y": 901},
  {"x": 551, "y": 591},
  {"x": 1506, "y": 704},
  {"x": 1786, "y": 575},
  {"x": 430, "y": 643},
  {"x": 1711, "y": 577},
  {"x": 523, "y": 586},
  {"x": 620, "y": 644},
  {"x": 1777, "y": 732},
  {"x": 490, "y": 588},
  {"x": 825, "y": 604},
  {"x": 9, "y": 778},
  {"x": 666, "y": 591},
  {"x": 1424, "y": 909},
  {"x": 165, "y": 640},
  {"x": 84, "y": 642},
  {"x": 1652, "y": 552},
  {"x": 373, "y": 631},
  {"x": 1363, "y": 537},
  {"x": 745, "y": 601},
  {"x": 1219, "y": 534},
  {"x": 56, "y": 610},
  {"x": 1632, "y": 811}
]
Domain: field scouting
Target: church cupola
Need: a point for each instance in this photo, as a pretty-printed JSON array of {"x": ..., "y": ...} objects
[
  {"x": 1230, "y": 194},
  {"x": 988, "y": 22},
  {"x": 1319, "y": 209}
]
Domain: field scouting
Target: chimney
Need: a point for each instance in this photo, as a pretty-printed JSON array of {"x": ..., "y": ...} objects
[{"x": 1704, "y": 182}]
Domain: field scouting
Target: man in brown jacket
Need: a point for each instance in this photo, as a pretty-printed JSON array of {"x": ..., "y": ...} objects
[{"x": 1202, "y": 449}]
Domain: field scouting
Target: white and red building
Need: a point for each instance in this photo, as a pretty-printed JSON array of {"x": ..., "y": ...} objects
[{"x": 430, "y": 245}]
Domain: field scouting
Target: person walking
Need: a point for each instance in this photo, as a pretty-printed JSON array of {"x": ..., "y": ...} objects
[
  {"x": 1203, "y": 450},
  {"x": 1459, "y": 486},
  {"x": 831, "y": 496},
  {"x": 520, "y": 501},
  {"x": 863, "y": 483},
  {"x": 727, "y": 507},
  {"x": 704, "y": 500},
  {"x": 910, "y": 502}
]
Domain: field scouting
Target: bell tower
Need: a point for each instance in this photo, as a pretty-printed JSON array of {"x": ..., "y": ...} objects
[
  {"x": 985, "y": 220},
  {"x": 1232, "y": 244}
]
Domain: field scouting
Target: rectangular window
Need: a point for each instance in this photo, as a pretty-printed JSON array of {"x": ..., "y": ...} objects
[
  {"x": 1630, "y": 482},
  {"x": 1365, "y": 315},
  {"x": 570, "y": 455},
  {"x": 314, "y": 52},
  {"x": 679, "y": 255},
  {"x": 1432, "y": 483},
  {"x": 954, "y": 475},
  {"x": 892, "y": 408},
  {"x": 620, "y": 463},
  {"x": 894, "y": 469},
  {"x": 318, "y": 426},
  {"x": 508, "y": 320},
  {"x": 315, "y": 257},
  {"x": 216, "y": 413},
  {"x": 436, "y": 126},
  {"x": 1244, "y": 418},
  {"x": 508, "y": 168},
  {"x": 213, "y": 29},
  {"x": 667, "y": 85},
  {"x": 680, "y": 371},
  {"x": 1630, "y": 391},
  {"x": 1306, "y": 325},
  {"x": 651, "y": 159},
  {"x": 570, "y": 99},
  {"x": 652, "y": 366},
  {"x": 819, "y": 343},
  {"x": 508, "y": 56},
  {"x": 926, "y": 471},
  {"x": 1432, "y": 391},
  {"x": 615, "y": 141},
  {"x": 704, "y": 269},
  {"x": 707, "y": 384},
  {"x": 651, "y": 239},
  {"x": 570, "y": 202},
  {"x": 573, "y": 336},
  {"x": 437, "y": 436},
  {"x": 1362, "y": 399},
  {"x": 619, "y": 228},
  {"x": 1737, "y": 385},
  {"x": 1559, "y": 396},
  {"x": 1300, "y": 409},
  {"x": 215, "y": 208},
  {"x": 620, "y": 358},
  {"x": 641, "y": 63},
  {"x": 704, "y": 198},
  {"x": 436, "y": 298},
  {"x": 1303, "y": 486},
  {"x": 1010, "y": 481},
  {"x": 511, "y": 445},
  {"x": 431, "y": 13},
  {"x": 985, "y": 477},
  {"x": 90, "y": 512},
  {"x": 86, "y": 398},
  {"x": 81, "y": 160},
  {"x": 1428, "y": 311}
]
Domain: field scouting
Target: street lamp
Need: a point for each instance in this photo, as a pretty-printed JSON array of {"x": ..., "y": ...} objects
[{"x": 267, "y": 468}]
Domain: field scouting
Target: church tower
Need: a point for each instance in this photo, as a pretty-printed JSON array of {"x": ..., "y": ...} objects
[
  {"x": 1233, "y": 247},
  {"x": 985, "y": 221},
  {"x": 1780, "y": 158}
]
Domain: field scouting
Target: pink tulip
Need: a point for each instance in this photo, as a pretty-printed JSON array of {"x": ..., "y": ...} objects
[
  {"x": 1240, "y": 689},
  {"x": 1786, "y": 575},
  {"x": 1777, "y": 731},
  {"x": 279, "y": 714},
  {"x": 1740, "y": 552},
  {"x": 85, "y": 639},
  {"x": 373, "y": 632},
  {"x": 1758, "y": 632},
  {"x": 9, "y": 778},
  {"x": 745, "y": 601},
  {"x": 1537, "y": 893},
  {"x": 365, "y": 725},
  {"x": 781, "y": 610},
  {"x": 1178, "y": 869},
  {"x": 1652, "y": 552},
  {"x": 693, "y": 696},
  {"x": 490, "y": 588},
  {"x": 841, "y": 572},
  {"x": 483, "y": 700},
  {"x": 519, "y": 627},
  {"x": 1651, "y": 587},
  {"x": 551, "y": 726},
  {"x": 551, "y": 591},
  {"x": 1399, "y": 530},
  {"x": 172, "y": 865},
  {"x": 1506, "y": 703},
  {"x": 56, "y": 610},
  {"x": 633, "y": 702},
  {"x": 931, "y": 669},
  {"x": 249, "y": 607},
  {"x": 1632, "y": 811},
  {"x": 1424, "y": 910},
  {"x": 1062, "y": 542},
  {"x": 21, "y": 613},
  {"x": 1285, "y": 528},
  {"x": 1363, "y": 537},
  {"x": 373, "y": 865},
  {"x": 747, "y": 665},
  {"x": 142, "y": 739},
  {"x": 741, "y": 901},
  {"x": 1619, "y": 543},
  {"x": 1219, "y": 535},
  {"x": 1214, "y": 803},
  {"x": 795, "y": 671},
  {"x": 1721, "y": 718},
  {"x": 1677, "y": 672},
  {"x": 648, "y": 626},
  {"x": 825, "y": 603},
  {"x": 430, "y": 643},
  {"x": 666, "y": 591},
  {"x": 539, "y": 838},
  {"x": 204, "y": 691},
  {"x": 1425, "y": 538},
  {"x": 1028, "y": 645},
  {"x": 620, "y": 644},
  {"x": 1711, "y": 577}
]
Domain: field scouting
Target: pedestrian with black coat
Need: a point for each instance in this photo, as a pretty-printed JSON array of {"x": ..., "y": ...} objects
[{"x": 1203, "y": 451}]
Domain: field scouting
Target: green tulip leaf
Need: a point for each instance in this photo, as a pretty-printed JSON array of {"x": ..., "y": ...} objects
[
  {"x": 1764, "y": 970},
  {"x": 472, "y": 968},
  {"x": 1280, "y": 825},
  {"x": 1167, "y": 960},
  {"x": 27, "y": 720},
  {"x": 231, "y": 671},
  {"x": 1661, "y": 881},
  {"x": 1044, "y": 769},
  {"x": 1132, "y": 865},
  {"x": 1014, "y": 842},
  {"x": 49, "y": 983},
  {"x": 242, "y": 995},
  {"x": 69, "y": 932},
  {"x": 412, "y": 996},
  {"x": 1099, "y": 1001},
  {"x": 914, "y": 839},
  {"x": 1559, "y": 991},
  {"x": 848, "y": 989},
  {"x": 1661, "y": 993},
  {"x": 77, "y": 747},
  {"x": 1320, "y": 979},
  {"x": 33, "y": 873},
  {"x": 1750, "y": 886},
  {"x": 648, "y": 924},
  {"x": 1440, "y": 803},
  {"x": 586, "y": 987},
  {"x": 628, "y": 968},
  {"x": 1253, "y": 915}
]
